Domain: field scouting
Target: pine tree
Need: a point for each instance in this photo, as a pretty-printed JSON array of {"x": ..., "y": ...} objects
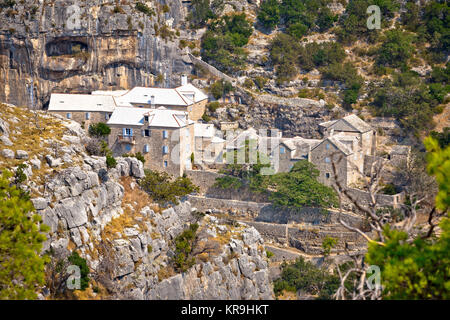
[{"x": 21, "y": 239}]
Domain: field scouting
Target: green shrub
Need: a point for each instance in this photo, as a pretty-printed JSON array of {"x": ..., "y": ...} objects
[
  {"x": 142, "y": 7},
  {"x": 8, "y": 3},
  {"x": 305, "y": 276},
  {"x": 99, "y": 129},
  {"x": 396, "y": 49},
  {"x": 248, "y": 83},
  {"x": 183, "y": 247},
  {"x": 20, "y": 176},
  {"x": 137, "y": 155},
  {"x": 389, "y": 189},
  {"x": 220, "y": 88},
  {"x": 75, "y": 259},
  {"x": 228, "y": 182},
  {"x": 200, "y": 13},
  {"x": 443, "y": 138},
  {"x": 213, "y": 106},
  {"x": 269, "y": 13},
  {"x": 260, "y": 82},
  {"x": 314, "y": 55},
  {"x": 118, "y": 9},
  {"x": 269, "y": 254},
  {"x": 163, "y": 189},
  {"x": 110, "y": 161},
  {"x": 283, "y": 55},
  {"x": 328, "y": 243},
  {"x": 223, "y": 41},
  {"x": 206, "y": 117}
]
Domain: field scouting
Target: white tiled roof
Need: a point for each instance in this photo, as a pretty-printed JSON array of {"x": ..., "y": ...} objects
[
  {"x": 163, "y": 96},
  {"x": 114, "y": 93},
  {"x": 181, "y": 96},
  {"x": 351, "y": 122},
  {"x": 187, "y": 91},
  {"x": 300, "y": 146},
  {"x": 157, "y": 117},
  {"x": 81, "y": 102},
  {"x": 205, "y": 130}
]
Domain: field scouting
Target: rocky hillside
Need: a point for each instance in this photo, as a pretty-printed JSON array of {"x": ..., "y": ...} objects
[{"x": 130, "y": 244}]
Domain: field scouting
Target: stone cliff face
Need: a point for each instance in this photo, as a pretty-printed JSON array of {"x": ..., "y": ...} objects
[
  {"x": 80, "y": 46},
  {"x": 127, "y": 240}
]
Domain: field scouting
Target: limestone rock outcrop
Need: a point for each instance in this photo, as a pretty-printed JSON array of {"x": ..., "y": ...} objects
[{"x": 127, "y": 240}]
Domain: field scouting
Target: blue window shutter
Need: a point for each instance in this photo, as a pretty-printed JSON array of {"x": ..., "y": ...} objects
[
  {"x": 131, "y": 132},
  {"x": 143, "y": 133},
  {"x": 124, "y": 132}
]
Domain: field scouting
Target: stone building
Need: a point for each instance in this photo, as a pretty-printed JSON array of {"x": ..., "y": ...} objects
[
  {"x": 164, "y": 137},
  {"x": 347, "y": 159},
  {"x": 98, "y": 106},
  {"x": 208, "y": 144},
  {"x": 291, "y": 150},
  {"x": 348, "y": 142},
  {"x": 353, "y": 126},
  {"x": 86, "y": 109}
]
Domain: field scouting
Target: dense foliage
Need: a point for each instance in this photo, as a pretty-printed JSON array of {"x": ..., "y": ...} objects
[
  {"x": 298, "y": 16},
  {"x": 111, "y": 162},
  {"x": 21, "y": 239},
  {"x": 353, "y": 24},
  {"x": 163, "y": 189},
  {"x": 396, "y": 49},
  {"x": 306, "y": 277},
  {"x": 200, "y": 13},
  {"x": 223, "y": 41},
  {"x": 408, "y": 99},
  {"x": 269, "y": 13},
  {"x": 300, "y": 188},
  {"x": 220, "y": 88},
  {"x": 315, "y": 55}
]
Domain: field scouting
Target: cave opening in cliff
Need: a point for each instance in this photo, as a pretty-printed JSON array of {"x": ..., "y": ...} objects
[{"x": 65, "y": 48}]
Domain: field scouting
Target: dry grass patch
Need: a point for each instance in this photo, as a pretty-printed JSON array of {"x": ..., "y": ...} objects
[
  {"x": 134, "y": 200},
  {"x": 165, "y": 273}
]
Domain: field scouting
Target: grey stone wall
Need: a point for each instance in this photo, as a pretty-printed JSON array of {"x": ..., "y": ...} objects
[
  {"x": 211, "y": 69},
  {"x": 266, "y": 212}
]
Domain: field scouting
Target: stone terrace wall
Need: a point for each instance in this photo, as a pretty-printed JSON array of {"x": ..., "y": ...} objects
[
  {"x": 307, "y": 239},
  {"x": 363, "y": 198},
  {"x": 202, "y": 178},
  {"x": 266, "y": 212},
  {"x": 211, "y": 69}
]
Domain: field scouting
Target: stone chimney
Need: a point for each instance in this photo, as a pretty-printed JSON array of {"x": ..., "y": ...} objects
[
  {"x": 152, "y": 101},
  {"x": 184, "y": 80}
]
